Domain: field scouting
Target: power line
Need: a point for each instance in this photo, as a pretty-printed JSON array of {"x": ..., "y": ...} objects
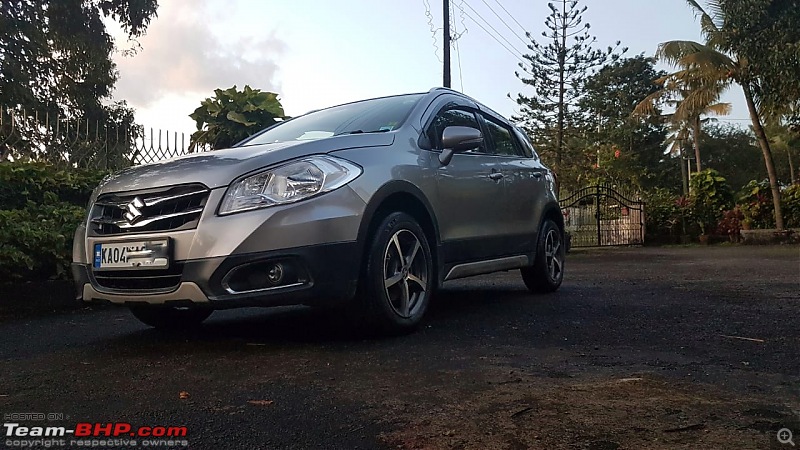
[
  {"x": 504, "y": 23},
  {"x": 512, "y": 17},
  {"x": 515, "y": 53},
  {"x": 464, "y": 29},
  {"x": 458, "y": 51},
  {"x": 489, "y": 24},
  {"x": 433, "y": 28}
]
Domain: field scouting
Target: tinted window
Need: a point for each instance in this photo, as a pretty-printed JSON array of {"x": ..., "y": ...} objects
[
  {"x": 449, "y": 118},
  {"x": 526, "y": 144},
  {"x": 368, "y": 116},
  {"x": 502, "y": 139}
]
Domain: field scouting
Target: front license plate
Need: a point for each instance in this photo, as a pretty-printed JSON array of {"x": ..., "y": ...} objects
[{"x": 151, "y": 254}]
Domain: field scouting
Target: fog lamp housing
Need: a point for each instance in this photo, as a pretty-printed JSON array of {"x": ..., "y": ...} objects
[{"x": 264, "y": 275}]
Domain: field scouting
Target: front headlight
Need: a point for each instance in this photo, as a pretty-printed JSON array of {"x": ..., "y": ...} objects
[{"x": 295, "y": 181}]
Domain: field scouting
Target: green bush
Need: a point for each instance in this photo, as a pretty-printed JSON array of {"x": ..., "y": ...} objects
[
  {"x": 21, "y": 183},
  {"x": 40, "y": 208},
  {"x": 755, "y": 201},
  {"x": 666, "y": 213},
  {"x": 790, "y": 200},
  {"x": 36, "y": 242},
  {"x": 710, "y": 198}
]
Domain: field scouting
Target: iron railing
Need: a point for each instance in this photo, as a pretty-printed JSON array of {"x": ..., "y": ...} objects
[{"x": 77, "y": 142}]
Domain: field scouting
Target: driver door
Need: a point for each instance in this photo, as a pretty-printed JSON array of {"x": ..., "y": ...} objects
[{"x": 470, "y": 192}]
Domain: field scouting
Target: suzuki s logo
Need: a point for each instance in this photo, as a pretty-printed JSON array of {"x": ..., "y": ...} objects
[{"x": 133, "y": 210}]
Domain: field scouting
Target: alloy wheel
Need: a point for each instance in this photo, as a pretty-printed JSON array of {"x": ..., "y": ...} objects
[
  {"x": 553, "y": 254},
  {"x": 405, "y": 273}
]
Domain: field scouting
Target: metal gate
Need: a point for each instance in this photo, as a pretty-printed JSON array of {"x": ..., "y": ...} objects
[{"x": 600, "y": 215}]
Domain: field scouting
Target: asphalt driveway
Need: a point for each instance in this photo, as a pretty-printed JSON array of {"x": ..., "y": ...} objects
[{"x": 641, "y": 348}]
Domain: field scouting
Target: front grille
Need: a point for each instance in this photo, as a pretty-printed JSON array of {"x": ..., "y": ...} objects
[
  {"x": 175, "y": 208},
  {"x": 140, "y": 280}
]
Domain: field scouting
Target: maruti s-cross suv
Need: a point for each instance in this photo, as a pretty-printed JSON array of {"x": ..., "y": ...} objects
[{"x": 371, "y": 205}]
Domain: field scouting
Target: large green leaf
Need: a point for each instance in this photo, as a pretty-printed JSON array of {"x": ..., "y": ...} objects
[{"x": 239, "y": 118}]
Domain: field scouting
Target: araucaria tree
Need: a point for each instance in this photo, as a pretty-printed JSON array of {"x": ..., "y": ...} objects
[{"x": 556, "y": 72}]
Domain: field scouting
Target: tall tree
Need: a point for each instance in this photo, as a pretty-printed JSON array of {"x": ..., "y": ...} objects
[
  {"x": 55, "y": 55},
  {"x": 675, "y": 143},
  {"x": 717, "y": 63},
  {"x": 631, "y": 150},
  {"x": 556, "y": 74},
  {"x": 56, "y": 71},
  {"x": 785, "y": 143},
  {"x": 675, "y": 89},
  {"x": 765, "y": 33},
  {"x": 733, "y": 152}
]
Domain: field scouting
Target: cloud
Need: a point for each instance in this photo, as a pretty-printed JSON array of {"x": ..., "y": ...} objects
[{"x": 187, "y": 51}]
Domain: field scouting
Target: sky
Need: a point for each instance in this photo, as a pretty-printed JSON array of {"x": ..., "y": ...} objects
[{"x": 319, "y": 53}]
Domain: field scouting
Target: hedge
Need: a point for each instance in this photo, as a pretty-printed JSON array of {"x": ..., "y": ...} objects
[{"x": 40, "y": 208}]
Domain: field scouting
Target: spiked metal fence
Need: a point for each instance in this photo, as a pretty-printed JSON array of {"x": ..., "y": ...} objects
[
  {"x": 78, "y": 142},
  {"x": 601, "y": 215}
]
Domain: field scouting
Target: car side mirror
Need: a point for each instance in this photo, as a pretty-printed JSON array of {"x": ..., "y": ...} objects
[{"x": 458, "y": 140}]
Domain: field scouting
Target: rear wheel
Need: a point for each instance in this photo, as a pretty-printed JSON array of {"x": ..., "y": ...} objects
[
  {"x": 170, "y": 318},
  {"x": 397, "y": 279},
  {"x": 547, "y": 272}
]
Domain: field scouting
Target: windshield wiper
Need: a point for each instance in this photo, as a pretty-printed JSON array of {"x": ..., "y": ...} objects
[{"x": 382, "y": 130}]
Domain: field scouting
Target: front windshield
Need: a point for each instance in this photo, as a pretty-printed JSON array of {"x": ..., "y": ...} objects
[{"x": 368, "y": 116}]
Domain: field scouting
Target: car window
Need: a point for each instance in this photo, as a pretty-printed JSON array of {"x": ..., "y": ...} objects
[
  {"x": 502, "y": 139},
  {"x": 448, "y": 118},
  {"x": 526, "y": 144},
  {"x": 369, "y": 116}
]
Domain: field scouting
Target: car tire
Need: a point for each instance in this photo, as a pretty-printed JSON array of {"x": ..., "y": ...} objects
[
  {"x": 397, "y": 282},
  {"x": 547, "y": 271},
  {"x": 169, "y": 318}
]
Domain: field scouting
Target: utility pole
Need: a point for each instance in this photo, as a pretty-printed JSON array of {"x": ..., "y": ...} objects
[{"x": 446, "y": 7}]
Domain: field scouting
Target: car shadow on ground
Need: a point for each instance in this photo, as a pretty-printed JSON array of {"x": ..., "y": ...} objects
[{"x": 451, "y": 310}]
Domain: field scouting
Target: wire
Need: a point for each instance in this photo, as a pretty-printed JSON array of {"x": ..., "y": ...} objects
[
  {"x": 504, "y": 23},
  {"x": 458, "y": 51},
  {"x": 490, "y": 26},
  {"x": 433, "y": 28},
  {"x": 464, "y": 28},
  {"x": 512, "y": 52},
  {"x": 512, "y": 17}
]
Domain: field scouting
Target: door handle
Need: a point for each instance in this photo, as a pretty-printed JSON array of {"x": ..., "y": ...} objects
[
  {"x": 537, "y": 175},
  {"x": 496, "y": 176}
]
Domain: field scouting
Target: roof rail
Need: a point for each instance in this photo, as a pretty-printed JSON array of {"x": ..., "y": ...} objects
[{"x": 439, "y": 88}]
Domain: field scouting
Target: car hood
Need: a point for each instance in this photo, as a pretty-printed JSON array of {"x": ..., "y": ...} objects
[{"x": 219, "y": 167}]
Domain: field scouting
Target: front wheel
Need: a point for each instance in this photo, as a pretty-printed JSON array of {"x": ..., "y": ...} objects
[
  {"x": 547, "y": 272},
  {"x": 170, "y": 318},
  {"x": 397, "y": 279}
]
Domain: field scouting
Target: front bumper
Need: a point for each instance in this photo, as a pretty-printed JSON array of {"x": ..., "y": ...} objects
[
  {"x": 329, "y": 276},
  {"x": 317, "y": 239}
]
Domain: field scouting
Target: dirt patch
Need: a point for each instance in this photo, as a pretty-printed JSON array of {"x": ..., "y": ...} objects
[{"x": 624, "y": 413}]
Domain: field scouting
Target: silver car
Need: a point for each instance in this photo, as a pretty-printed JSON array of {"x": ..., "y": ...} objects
[{"x": 370, "y": 205}]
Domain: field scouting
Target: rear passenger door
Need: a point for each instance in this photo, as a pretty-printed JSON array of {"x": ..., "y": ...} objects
[{"x": 524, "y": 189}]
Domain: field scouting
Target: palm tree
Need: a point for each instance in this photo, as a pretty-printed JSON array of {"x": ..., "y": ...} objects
[
  {"x": 783, "y": 139},
  {"x": 714, "y": 67},
  {"x": 678, "y": 135},
  {"x": 676, "y": 90}
]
